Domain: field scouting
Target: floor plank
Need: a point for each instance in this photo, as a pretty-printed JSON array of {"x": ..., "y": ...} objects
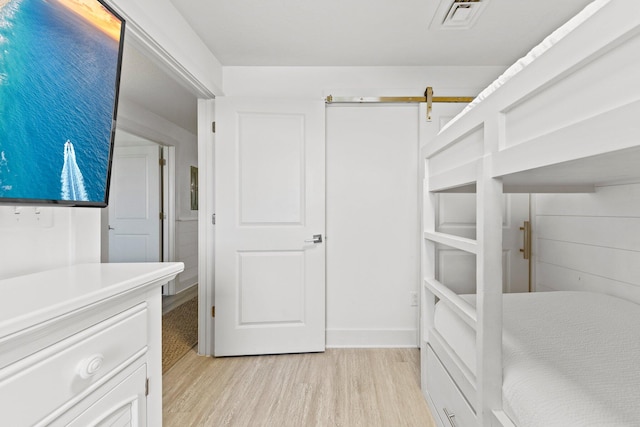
[{"x": 341, "y": 387}]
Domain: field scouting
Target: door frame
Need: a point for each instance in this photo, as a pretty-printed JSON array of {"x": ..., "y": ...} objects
[
  {"x": 168, "y": 195},
  {"x": 206, "y": 226},
  {"x": 147, "y": 44}
]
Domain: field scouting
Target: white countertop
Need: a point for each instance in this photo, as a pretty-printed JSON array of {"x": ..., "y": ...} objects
[{"x": 34, "y": 298}]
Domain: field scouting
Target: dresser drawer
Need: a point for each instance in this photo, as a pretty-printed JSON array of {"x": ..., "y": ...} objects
[
  {"x": 450, "y": 404},
  {"x": 122, "y": 406},
  {"x": 48, "y": 382}
]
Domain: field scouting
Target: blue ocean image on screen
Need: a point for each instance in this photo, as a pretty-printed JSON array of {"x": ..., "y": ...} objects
[{"x": 57, "y": 89}]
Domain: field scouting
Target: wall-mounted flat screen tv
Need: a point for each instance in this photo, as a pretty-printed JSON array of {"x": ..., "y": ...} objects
[{"x": 59, "y": 78}]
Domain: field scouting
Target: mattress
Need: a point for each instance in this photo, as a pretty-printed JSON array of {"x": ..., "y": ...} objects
[
  {"x": 532, "y": 55},
  {"x": 569, "y": 358}
]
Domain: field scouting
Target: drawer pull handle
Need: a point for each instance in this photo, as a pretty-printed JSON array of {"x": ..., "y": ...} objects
[
  {"x": 90, "y": 366},
  {"x": 451, "y": 416}
]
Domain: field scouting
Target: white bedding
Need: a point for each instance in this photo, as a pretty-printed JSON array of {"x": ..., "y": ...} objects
[
  {"x": 531, "y": 56},
  {"x": 569, "y": 358}
]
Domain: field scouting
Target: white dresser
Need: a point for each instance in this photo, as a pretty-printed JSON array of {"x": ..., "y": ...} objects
[{"x": 81, "y": 346}]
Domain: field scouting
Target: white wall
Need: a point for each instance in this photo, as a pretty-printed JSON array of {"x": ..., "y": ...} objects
[
  {"x": 372, "y": 175},
  {"x": 187, "y": 219},
  {"x": 589, "y": 241},
  {"x": 355, "y": 81},
  {"x": 37, "y": 239}
]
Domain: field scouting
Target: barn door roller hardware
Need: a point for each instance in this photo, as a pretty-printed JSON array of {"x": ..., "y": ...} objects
[{"x": 428, "y": 98}]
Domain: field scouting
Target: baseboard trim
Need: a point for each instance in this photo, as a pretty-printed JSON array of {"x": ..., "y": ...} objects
[
  {"x": 185, "y": 283},
  {"x": 372, "y": 338},
  {"x": 172, "y": 301}
]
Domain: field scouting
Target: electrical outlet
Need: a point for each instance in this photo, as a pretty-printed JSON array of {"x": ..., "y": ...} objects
[
  {"x": 413, "y": 299},
  {"x": 26, "y": 217}
]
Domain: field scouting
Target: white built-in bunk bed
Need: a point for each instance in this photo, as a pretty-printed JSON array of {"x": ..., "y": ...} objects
[{"x": 566, "y": 118}]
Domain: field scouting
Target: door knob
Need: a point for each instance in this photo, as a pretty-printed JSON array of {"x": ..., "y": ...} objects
[
  {"x": 317, "y": 238},
  {"x": 111, "y": 228}
]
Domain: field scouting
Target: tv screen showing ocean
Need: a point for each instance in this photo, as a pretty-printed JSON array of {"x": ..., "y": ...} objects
[{"x": 58, "y": 80}]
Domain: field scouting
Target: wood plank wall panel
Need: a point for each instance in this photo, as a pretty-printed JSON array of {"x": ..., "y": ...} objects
[{"x": 589, "y": 241}]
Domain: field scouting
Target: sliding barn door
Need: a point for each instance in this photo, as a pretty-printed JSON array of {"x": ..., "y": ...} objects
[{"x": 270, "y": 226}]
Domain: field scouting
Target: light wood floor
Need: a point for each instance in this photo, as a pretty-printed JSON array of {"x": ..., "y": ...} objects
[{"x": 341, "y": 387}]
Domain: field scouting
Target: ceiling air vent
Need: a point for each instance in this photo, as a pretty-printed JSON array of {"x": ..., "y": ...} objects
[{"x": 457, "y": 14}]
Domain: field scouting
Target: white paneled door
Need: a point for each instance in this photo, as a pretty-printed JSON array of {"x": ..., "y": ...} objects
[
  {"x": 134, "y": 205},
  {"x": 270, "y": 226}
]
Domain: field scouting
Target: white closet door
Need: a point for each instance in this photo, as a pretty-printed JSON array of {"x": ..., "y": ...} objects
[
  {"x": 134, "y": 205},
  {"x": 373, "y": 227},
  {"x": 270, "y": 201}
]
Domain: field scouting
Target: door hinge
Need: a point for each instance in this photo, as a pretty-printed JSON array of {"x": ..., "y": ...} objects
[
  {"x": 163, "y": 162},
  {"x": 213, "y": 311},
  {"x": 213, "y": 127},
  {"x": 162, "y": 216},
  {"x": 146, "y": 387},
  {"x": 213, "y": 219}
]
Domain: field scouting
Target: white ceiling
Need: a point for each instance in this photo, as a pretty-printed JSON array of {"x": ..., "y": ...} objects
[
  {"x": 340, "y": 33},
  {"x": 369, "y": 32}
]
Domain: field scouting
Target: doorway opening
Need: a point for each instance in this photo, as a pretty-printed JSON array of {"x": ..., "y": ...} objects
[{"x": 138, "y": 224}]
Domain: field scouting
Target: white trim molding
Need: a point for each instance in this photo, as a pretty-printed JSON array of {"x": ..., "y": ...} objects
[
  {"x": 175, "y": 47},
  {"x": 372, "y": 338}
]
